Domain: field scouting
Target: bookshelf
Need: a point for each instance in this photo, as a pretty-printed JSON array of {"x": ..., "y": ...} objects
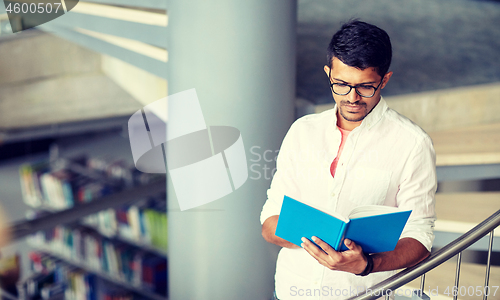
[
  {"x": 126, "y": 195},
  {"x": 145, "y": 246},
  {"x": 126, "y": 285},
  {"x": 24, "y": 228}
]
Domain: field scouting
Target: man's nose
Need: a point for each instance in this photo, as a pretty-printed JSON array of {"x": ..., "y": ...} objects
[{"x": 353, "y": 96}]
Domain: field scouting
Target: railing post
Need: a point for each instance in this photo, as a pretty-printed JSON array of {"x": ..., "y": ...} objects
[
  {"x": 457, "y": 275},
  {"x": 486, "y": 289},
  {"x": 422, "y": 284},
  {"x": 420, "y": 295}
]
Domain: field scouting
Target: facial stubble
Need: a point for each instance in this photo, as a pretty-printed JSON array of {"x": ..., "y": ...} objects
[{"x": 343, "y": 104}]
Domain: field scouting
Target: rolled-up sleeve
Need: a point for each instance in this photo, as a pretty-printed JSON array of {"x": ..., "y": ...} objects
[{"x": 417, "y": 192}]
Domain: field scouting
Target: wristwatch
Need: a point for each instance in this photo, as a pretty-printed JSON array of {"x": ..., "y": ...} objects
[{"x": 369, "y": 266}]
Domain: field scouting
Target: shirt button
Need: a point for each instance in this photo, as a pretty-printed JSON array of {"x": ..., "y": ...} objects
[{"x": 333, "y": 194}]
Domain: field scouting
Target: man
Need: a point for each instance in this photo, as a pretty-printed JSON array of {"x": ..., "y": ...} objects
[{"x": 358, "y": 153}]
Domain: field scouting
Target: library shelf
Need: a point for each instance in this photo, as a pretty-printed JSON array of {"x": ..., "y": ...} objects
[
  {"x": 99, "y": 273},
  {"x": 48, "y": 217},
  {"x": 142, "y": 245},
  {"x": 22, "y": 229}
]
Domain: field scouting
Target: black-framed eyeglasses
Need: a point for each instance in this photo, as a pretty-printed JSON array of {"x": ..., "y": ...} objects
[{"x": 342, "y": 89}]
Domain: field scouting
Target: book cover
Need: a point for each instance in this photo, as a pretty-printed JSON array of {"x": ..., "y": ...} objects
[{"x": 374, "y": 233}]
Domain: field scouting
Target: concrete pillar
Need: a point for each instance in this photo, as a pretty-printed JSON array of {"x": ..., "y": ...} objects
[{"x": 240, "y": 58}]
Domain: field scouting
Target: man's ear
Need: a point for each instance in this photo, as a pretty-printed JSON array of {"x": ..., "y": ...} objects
[
  {"x": 387, "y": 76},
  {"x": 327, "y": 69}
]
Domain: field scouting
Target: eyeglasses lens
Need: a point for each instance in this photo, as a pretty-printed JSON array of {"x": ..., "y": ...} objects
[{"x": 342, "y": 89}]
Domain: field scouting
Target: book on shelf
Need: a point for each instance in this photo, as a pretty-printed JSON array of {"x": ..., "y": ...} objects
[
  {"x": 113, "y": 293},
  {"x": 143, "y": 223},
  {"x": 62, "y": 185},
  {"x": 31, "y": 287},
  {"x": 376, "y": 228},
  {"x": 30, "y": 183},
  {"x": 55, "y": 279},
  {"x": 120, "y": 261},
  {"x": 154, "y": 273},
  {"x": 68, "y": 182},
  {"x": 125, "y": 245}
]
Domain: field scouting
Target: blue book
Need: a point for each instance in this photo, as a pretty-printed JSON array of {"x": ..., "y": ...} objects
[{"x": 376, "y": 228}]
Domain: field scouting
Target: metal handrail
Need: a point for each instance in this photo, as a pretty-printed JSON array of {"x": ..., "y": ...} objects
[{"x": 442, "y": 255}]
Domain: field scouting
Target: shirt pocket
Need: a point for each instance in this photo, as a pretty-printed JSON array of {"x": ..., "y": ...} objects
[{"x": 369, "y": 185}]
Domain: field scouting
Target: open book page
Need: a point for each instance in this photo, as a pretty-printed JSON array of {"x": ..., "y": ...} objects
[
  {"x": 371, "y": 210},
  {"x": 331, "y": 213}
]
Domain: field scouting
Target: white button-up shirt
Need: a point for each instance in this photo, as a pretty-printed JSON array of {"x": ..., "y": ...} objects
[{"x": 387, "y": 160}]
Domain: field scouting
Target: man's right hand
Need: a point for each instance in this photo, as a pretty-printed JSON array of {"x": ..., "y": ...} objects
[{"x": 268, "y": 230}]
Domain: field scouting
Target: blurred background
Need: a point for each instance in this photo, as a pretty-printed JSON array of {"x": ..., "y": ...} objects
[{"x": 69, "y": 86}]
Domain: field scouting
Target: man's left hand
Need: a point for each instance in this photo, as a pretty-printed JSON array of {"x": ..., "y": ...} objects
[{"x": 352, "y": 260}]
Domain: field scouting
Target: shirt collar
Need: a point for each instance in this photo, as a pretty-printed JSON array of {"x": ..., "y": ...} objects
[{"x": 372, "y": 118}]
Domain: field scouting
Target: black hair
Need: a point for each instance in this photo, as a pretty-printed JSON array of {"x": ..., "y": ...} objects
[{"x": 361, "y": 45}]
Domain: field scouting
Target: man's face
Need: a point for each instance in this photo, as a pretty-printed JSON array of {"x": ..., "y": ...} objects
[{"x": 352, "y": 107}]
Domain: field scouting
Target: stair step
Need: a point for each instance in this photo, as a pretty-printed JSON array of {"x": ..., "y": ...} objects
[
  {"x": 467, "y": 207},
  {"x": 477, "y": 144},
  {"x": 457, "y": 227},
  {"x": 457, "y": 213}
]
